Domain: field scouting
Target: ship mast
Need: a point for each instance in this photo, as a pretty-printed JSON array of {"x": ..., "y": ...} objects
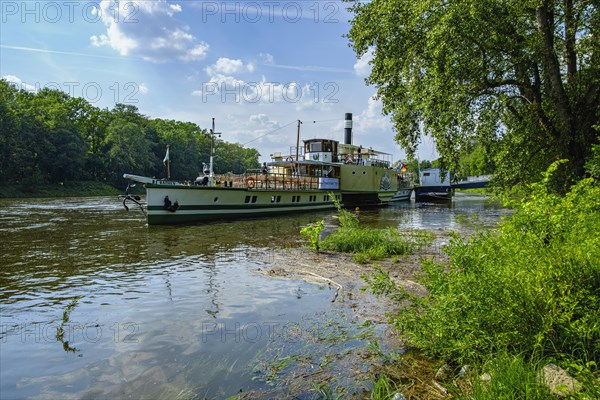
[
  {"x": 212, "y": 150},
  {"x": 297, "y": 151}
]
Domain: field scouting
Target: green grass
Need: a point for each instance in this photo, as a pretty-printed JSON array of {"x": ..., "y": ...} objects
[
  {"x": 510, "y": 377},
  {"x": 527, "y": 291},
  {"x": 65, "y": 189},
  {"x": 364, "y": 243},
  {"x": 368, "y": 243},
  {"x": 384, "y": 388}
]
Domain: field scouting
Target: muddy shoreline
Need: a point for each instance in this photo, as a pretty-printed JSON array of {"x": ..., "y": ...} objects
[
  {"x": 340, "y": 272},
  {"x": 342, "y": 276}
]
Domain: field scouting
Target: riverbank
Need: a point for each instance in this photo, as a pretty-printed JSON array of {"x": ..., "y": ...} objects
[
  {"x": 511, "y": 313},
  {"x": 64, "y": 189},
  {"x": 341, "y": 272},
  {"x": 343, "y": 277}
]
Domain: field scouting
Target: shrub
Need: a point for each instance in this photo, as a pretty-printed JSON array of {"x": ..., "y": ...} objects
[
  {"x": 313, "y": 234},
  {"x": 532, "y": 287}
]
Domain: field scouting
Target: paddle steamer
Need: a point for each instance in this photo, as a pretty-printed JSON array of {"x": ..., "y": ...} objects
[{"x": 306, "y": 179}]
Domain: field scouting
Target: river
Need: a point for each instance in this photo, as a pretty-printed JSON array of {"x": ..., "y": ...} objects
[{"x": 96, "y": 304}]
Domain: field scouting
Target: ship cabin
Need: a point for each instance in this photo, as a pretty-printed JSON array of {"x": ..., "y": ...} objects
[
  {"x": 314, "y": 168},
  {"x": 325, "y": 164},
  {"x": 322, "y": 150}
]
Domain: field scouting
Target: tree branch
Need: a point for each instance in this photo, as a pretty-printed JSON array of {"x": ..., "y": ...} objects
[{"x": 570, "y": 31}]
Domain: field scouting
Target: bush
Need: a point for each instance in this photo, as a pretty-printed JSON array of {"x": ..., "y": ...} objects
[{"x": 532, "y": 287}]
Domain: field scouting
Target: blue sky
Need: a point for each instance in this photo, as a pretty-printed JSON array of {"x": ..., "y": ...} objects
[{"x": 255, "y": 66}]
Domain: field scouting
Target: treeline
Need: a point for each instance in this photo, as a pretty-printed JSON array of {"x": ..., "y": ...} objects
[{"x": 49, "y": 137}]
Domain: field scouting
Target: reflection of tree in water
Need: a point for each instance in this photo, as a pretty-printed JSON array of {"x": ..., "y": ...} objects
[
  {"x": 60, "y": 332},
  {"x": 213, "y": 289}
]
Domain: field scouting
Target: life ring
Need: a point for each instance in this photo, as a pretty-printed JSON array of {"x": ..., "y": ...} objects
[
  {"x": 349, "y": 159},
  {"x": 250, "y": 182}
]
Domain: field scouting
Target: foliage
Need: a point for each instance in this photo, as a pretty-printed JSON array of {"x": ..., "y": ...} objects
[
  {"x": 312, "y": 233},
  {"x": 347, "y": 219},
  {"x": 519, "y": 78},
  {"x": 529, "y": 288},
  {"x": 50, "y": 138},
  {"x": 64, "y": 189},
  {"x": 474, "y": 159},
  {"x": 370, "y": 243},
  {"x": 592, "y": 166}
]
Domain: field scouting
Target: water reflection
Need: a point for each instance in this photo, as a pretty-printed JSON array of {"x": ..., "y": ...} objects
[
  {"x": 97, "y": 304},
  {"x": 464, "y": 213}
]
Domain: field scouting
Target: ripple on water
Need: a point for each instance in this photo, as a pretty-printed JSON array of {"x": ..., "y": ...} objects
[{"x": 159, "y": 311}]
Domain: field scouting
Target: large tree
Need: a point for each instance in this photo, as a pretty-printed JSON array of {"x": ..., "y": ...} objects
[{"x": 521, "y": 77}]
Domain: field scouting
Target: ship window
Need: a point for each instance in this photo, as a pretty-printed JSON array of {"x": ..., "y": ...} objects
[
  {"x": 298, "y": 199},
  {"x": 278, "y": 199},
  {"x": 364, "y": 172},
  {"x": 325, "y": 198},
  {"x": 254, "y": 199},
  {"x": 314, "y": 147},
  {"x": 353, "y": 172},
  {"x": 216, "y": 199},
  {"x": 426, "y": 174},
  {"x": 273, "y": 198},
  {"x": 247, "y": 199}
]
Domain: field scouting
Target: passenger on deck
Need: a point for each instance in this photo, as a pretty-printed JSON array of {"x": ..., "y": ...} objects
[{"x": 264, "y": 169}]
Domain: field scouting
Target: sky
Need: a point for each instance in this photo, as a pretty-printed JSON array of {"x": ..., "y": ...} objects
[{"x": 257, "y": 67}]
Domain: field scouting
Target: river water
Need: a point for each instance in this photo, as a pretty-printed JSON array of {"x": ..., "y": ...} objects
[{"x": 96, "y": 304}]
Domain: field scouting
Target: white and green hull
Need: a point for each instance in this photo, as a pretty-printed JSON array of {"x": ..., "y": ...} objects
[{"x": 211, "y": 203}]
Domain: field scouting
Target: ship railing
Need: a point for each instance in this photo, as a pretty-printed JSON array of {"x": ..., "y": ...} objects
[{"x": 271, "y": 181}]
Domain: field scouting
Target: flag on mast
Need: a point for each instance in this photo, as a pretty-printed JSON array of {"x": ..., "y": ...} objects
[{"x": 167, "y": 158}]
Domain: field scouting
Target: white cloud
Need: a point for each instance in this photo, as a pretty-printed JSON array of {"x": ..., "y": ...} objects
[
  {"x": 147, "y": 29},
  {"x": 16, "y": 82},
  {"x": 225, "y": 66},
  {"x": 362, "y": 67},
  {"x": 256, "y": 129},
  {"x": 225, "y": 87},
  {"x": 267, "y": 58},
  {"x": 371, "y": 118},
  {"x": 143, "y": 88}
]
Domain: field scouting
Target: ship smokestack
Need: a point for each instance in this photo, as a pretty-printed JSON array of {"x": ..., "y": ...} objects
[{"x": 348, "y": 129}]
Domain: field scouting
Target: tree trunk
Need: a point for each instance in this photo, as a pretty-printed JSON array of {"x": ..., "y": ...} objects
[{"x": 552, "y": 71}]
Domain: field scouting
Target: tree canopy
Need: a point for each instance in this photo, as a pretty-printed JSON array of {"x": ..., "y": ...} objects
[
  {"x": 520, "y": 78},
  {"x": 49, "y": 137}
]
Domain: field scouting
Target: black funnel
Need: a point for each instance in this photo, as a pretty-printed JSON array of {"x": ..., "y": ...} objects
[{"x": 348, "y": 129}]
